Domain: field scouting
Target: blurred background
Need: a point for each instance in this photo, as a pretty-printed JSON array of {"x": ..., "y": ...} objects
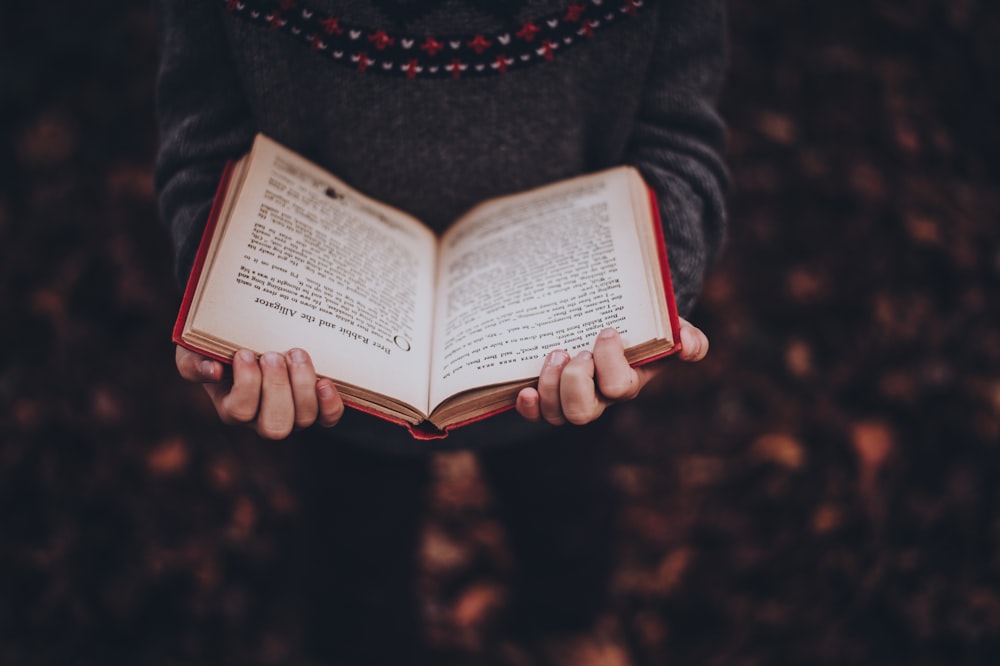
[{"x": 821, "y": 490}]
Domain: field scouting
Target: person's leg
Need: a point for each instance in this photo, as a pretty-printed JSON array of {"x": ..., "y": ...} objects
[
  {"x": 560, "y": 507},
  {"x": 361, "y": 514}
]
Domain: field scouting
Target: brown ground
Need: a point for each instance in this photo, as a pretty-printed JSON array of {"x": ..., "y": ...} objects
[{"x": 821, "y": 491}]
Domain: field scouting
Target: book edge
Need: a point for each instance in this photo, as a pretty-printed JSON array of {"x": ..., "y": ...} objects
[
  {"x": 199, "y": 260},
  {"x": 668, "y": 284}
]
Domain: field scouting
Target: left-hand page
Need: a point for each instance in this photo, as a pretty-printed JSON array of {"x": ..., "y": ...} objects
[{"x": 303, "y": 260}]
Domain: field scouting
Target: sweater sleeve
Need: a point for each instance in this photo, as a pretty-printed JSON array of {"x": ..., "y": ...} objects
[
  {"x": 678, "y": 139},
  {"x": 204, "y": 119}
]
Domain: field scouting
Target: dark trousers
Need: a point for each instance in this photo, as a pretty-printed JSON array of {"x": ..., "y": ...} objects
[{"x": 362, "y": 515}]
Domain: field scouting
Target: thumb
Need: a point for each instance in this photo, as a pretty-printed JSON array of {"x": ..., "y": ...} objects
[{"x": 694, "y": 342}]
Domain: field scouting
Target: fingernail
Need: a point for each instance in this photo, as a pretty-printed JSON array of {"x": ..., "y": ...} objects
[
  {"x": 271, "y": 358},
  {"x": 557, "y": 357},
  {"x": 245, "y": 355},
  {"x": 585, "y": 355},
  {"x": 607, "y": 333},
  {"x": 297, "y": 356},
  {"x": 325, "y": 389},
  {"x": 207, "y": 368}
]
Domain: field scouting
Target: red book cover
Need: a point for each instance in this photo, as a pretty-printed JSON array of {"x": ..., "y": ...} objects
[{"x": 199, "y": 264}]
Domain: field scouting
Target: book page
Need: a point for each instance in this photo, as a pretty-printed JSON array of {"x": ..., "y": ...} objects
[
  {"x": 308, "y": 262},
  {"x": 545, "y": 270}
]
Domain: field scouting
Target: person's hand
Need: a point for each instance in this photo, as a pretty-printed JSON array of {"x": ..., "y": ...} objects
[
  {"x": 273, "y": 395},
  {"x": 579, "y": 389}
]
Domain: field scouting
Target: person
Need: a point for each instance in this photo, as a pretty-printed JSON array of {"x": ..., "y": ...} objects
[{"x": 432, "y": 106}]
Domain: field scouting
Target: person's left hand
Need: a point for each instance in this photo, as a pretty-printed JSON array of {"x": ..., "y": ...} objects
[{"x": 579, "y": 389}]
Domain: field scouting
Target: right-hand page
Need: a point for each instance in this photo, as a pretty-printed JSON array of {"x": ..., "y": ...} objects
[{"x": 548, "y": 269}]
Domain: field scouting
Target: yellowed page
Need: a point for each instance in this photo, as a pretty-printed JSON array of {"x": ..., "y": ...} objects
[
  {"x": 308, "y": 262},
  {"x": 544, "y": 270}
]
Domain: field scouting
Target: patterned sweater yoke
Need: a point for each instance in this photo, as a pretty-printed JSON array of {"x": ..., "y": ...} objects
[{"x": 400, "y": 48}]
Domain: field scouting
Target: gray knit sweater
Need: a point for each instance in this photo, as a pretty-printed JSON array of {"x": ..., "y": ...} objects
[{"x": 433, "y": 106}]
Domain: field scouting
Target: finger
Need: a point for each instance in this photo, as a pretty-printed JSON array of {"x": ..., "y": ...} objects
[
  {"x": 239, "y": 403},
  {"x": 302, "y": 377},
  {"x": 331, "y": 406},
  {"x": 527, "y": 404},
  {"x": 616, "y": 379},
  {"x": 548, "y": 387},
  {"x": 276, "y": 417},
  {"x": 694, "y": 343},
  {"x": 197, "y": 368},
  {"x": 578, "y": 393}
]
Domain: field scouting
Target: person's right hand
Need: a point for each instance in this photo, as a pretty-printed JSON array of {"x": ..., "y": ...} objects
[{"x": 273, "y": 394}]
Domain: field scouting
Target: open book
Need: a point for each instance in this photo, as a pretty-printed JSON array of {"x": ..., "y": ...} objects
[{"x": 427, "y": 332}]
